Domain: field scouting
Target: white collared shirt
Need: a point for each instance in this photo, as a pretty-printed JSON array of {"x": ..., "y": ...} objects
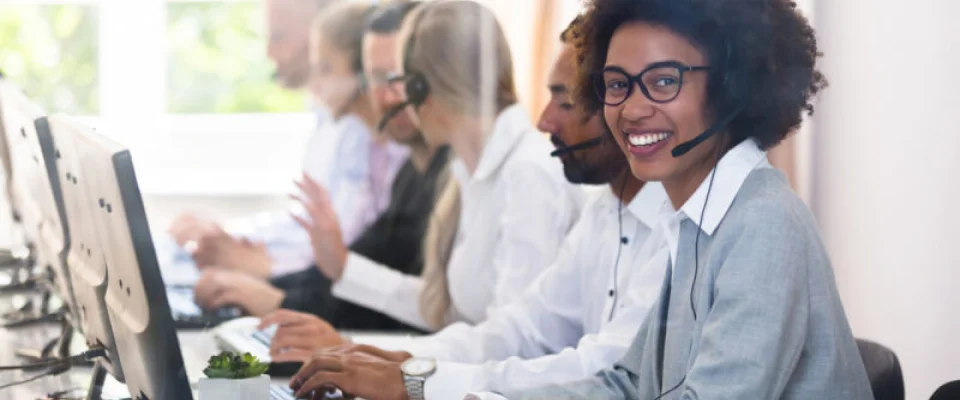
[
  {"x": 516, "y": 208},
  {"x": 577, "y": 318},
  {"x": 338, "y": 156},
  {"x": 731, "y": 172}
]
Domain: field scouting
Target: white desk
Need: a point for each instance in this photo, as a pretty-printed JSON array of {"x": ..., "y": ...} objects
[{"x": 196, "y": 347}]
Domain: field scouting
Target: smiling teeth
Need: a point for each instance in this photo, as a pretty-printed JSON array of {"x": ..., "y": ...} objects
[{"x": 647, "y": 139}]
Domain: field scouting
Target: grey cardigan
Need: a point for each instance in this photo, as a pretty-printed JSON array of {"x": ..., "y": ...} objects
[{"x": 769, "y": 323}]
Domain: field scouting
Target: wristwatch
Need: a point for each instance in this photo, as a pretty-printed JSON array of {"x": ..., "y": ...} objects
[{"x": 415, "y": 373}]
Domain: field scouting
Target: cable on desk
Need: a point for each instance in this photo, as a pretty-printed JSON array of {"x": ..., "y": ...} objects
[
  {"x": 54, "y": 370},
  {"x": 85, "y": 356},
  {"x": 61, "y": 395}
]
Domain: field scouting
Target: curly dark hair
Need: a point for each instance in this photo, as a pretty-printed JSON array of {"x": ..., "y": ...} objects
[
  {"x": 762, "y": 55},
  {"x": 571, "y": 32}
]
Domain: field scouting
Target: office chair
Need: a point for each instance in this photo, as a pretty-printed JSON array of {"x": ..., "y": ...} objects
[
  {"x": 949, "y": 391},
  {"x": 883, "y": 370}
]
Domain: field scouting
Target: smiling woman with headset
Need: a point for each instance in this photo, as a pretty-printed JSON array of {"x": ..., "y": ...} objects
[{"x": 694, "y": 92}]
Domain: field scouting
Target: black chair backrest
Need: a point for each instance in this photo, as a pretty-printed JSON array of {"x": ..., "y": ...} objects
[
  {"x": 883, "y": 370},
  {"x": 949, "y": 391}
]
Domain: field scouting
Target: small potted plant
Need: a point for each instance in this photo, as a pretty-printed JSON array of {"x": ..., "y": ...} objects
[{"x": 233, "y": 376}]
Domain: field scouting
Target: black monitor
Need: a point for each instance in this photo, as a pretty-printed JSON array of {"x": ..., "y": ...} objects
[{"x": 139, "y": 314}]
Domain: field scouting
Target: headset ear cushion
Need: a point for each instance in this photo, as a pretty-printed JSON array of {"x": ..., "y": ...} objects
[{"x": 417, "y": 89}]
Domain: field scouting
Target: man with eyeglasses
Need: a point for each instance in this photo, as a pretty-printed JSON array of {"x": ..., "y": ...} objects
[{"x": 393, "y": 240}]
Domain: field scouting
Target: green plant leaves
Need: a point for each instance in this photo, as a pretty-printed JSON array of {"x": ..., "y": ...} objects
[{"x": 227, "y": 365}]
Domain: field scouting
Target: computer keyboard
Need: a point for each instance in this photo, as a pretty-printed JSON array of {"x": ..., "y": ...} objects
[
  {"x": 281, "y": 392},
  {"x": 242, "y": 336},
  {"x": 188, "y": 315},
  {"x": 264, "y": 336}
]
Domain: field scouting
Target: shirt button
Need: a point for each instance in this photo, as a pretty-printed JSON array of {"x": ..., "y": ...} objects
[
  {"x": 624, "y": 240},
  {"x": 611, "y": 293}
]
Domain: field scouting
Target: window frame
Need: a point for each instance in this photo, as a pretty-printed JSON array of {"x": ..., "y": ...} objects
[{"x": 181, "y": 154}]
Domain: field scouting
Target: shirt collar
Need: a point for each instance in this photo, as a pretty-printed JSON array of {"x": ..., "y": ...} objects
[
  {"x": 509, "y": 127},
  {"x": 396, "y": 152},
  {"x": 647, "y": 203},
  {"x": 731, "y": 172}
]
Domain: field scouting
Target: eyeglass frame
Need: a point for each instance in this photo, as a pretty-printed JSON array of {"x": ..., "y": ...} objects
[{"x": 600, "y": 89}]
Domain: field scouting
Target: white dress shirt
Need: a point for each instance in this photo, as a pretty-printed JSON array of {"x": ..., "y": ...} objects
[
  {"x": 579, "y": 316},
  {"x": 516, "y": 208},
  {"x": 731, "y": 172},
  {"x": 338, "y": 156}
]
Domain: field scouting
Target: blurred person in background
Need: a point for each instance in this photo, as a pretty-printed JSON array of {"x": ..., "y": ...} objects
[
  {"x": 288, "y": 38},
  {"x": 395, "y": 240},
  {"x": 288, "y": 41},
  {"x": 356, "y": 166},
  {"x": 502, "y": 219}
]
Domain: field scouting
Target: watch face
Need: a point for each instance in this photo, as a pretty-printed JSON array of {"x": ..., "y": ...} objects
[{"x": 418, "y": 366}]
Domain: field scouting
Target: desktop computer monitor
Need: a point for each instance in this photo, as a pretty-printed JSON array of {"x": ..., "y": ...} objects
[
  {"x": 53, "y": 241},
  {"x": 8, "y": 95},
  {"x": 36, "y": 189},
  {"x": 136, "y": 299},
  {"x": 17, "y": 114},
  {"x": 86, "y": 258}
]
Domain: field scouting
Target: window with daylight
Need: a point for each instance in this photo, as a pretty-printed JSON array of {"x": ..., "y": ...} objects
[
  {"x": 50, "y": 50},
  {"x": 216, "y": 62}
]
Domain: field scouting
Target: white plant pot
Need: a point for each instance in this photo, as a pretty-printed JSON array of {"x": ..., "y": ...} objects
[{"x": 257, "y": 388}]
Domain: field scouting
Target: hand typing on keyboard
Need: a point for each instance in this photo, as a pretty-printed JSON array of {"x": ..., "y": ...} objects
[
  {"x": 355, "y": 374},
  {"x": 299, "y": 335}
]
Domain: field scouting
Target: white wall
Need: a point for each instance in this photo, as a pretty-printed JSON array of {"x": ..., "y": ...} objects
[{"x": 886, "y": 188}]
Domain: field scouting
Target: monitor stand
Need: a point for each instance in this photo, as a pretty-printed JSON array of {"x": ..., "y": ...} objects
[{"x": 95, "y": 392}]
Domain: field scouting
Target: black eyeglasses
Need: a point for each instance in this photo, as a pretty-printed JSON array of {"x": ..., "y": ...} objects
[
  {"x": 380, "y": 78},
  {"x": 659, "y": 82}
]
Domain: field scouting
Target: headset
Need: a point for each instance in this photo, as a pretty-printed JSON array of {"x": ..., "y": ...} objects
[
  {"x": 730, "y": 85},
  {"x": 414, "y": 83}
]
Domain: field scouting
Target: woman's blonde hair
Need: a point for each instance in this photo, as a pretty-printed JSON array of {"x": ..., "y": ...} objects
[
  {"x": 342, "y": 26},
  {"x": 460, "y": 49},
  {"x": 438, "y": 244}
]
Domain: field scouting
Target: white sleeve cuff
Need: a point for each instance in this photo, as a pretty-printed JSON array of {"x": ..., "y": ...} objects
[
  {"x": 452, "y": 381},
  {"x": 374, "y": 286},
  {"x": 365, "y": 282},
  {"x": 484, "y": 396}
]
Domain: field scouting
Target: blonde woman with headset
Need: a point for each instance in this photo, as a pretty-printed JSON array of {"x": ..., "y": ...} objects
[{"x": 502, "y": 218}]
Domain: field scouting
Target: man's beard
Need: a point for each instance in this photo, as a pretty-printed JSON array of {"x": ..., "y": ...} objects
[{"x": 580, "y": 172}]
